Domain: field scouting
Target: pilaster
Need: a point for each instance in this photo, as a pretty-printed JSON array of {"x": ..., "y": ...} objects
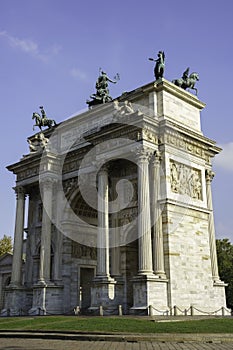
[{"x": 213, "y": 253}]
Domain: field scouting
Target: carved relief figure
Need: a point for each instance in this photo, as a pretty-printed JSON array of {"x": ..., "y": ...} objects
[
  {"x": 38, "y": 143},
  {"x": 185, "y": 180},
  {"x": 195, "y": 185},
  {"x": 123, "y": 109},
  {"x": 174, "y": 178}
]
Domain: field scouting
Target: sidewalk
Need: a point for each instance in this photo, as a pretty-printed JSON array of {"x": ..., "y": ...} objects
[
  {"x": 121, "y": 337},
  {"x": 55, "y": 344}
]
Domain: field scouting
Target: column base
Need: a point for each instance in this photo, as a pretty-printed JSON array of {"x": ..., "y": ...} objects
[
  {"x": 149, "y": 295},
  {"x": 161, "y": 275},
  {"x": 18, "y": 301},
  {"x": 107, "y": 293},
  {"x": 47, "y": 299}
]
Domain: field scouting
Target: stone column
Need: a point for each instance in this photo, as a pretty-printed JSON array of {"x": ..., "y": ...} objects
[
  {"x": 30, "y": 239},
  {"x": 103, "y": 225},
  {"x": 1, "y": 292},
  {"x": 144, "y": 222},
  {"x": 45, "y": 248},
  {"x": 115, "y": 231},
  {"x": 156, "y": 215},
  {"x": 16, "y": 274},
  {"x": 59, "y": 236},
  {"x": 213, "y": 253},
  {"x": 115, "y": 250}
]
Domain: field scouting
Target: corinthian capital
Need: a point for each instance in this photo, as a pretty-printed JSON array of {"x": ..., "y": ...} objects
[
  {"x": 209, "y": 174},
  {"x": 156, "y": 158},
  {"x": 20, "y": 192},
  {"x": 143, "y": 154}
]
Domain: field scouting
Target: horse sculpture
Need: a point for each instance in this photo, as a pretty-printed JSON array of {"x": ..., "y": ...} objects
[
  {"x": 187, "y": 82},
  {"x": 43, "y": 122}
]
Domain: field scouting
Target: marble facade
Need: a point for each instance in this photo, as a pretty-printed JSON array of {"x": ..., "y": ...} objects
[{"x": 119, "y": 211}]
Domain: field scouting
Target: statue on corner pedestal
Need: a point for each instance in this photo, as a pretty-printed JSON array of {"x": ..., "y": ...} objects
[
  {"x": 160, "y": 65},
  {"x": 187, "y": 81},
  {"x": 42, "y": 121}
]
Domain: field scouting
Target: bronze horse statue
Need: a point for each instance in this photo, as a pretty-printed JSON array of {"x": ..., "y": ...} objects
[
  {"x": 187, "y": 82},
  {"x": 43, "y": 122}
]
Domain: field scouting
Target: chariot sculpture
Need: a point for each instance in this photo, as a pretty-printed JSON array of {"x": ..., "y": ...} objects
[{"x": 102, "y": 90}]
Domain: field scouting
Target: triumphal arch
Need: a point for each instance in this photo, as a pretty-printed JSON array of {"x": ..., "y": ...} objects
[{"x": 120, "y": 210}]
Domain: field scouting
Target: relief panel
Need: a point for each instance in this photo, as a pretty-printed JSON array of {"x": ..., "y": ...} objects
[{"x": 185, "y": 180}]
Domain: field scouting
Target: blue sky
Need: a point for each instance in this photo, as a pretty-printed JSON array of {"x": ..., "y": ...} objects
[{"x": 51, "y": 52}]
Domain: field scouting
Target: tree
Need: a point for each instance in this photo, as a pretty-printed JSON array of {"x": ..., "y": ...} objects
[
  {"x": 6, "y": 245},
  {"x": 225, "y": 265}
]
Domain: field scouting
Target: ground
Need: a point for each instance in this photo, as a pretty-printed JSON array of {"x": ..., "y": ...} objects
[{"x": 40, "y": 344}]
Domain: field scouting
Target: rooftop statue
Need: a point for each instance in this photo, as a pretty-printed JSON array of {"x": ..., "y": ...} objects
[
  {"x": 102, "y": 91},
  {"x": 160, "y": 65},
  {"x": 42, "y": 121},
  {"x": 187, "y": 81}
]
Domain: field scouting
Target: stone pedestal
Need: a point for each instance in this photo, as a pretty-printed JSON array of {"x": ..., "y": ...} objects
[
  {"x": 107, "y": 293},
  {"x": 149, "y": 291},
  {"x": 18, "y": 301},
  {"x": 47, "y": 300}
]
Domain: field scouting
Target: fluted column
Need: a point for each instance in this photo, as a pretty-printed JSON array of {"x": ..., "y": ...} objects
[
  {"x": 115, "y": 251},
  {"x": 213, "y": 253},
  {"x": 16, "y": 275},
  {"x": 59, "y": 236},
  {"x": 115, "y": 231},
  {"x": 144, "y": 222},
  {"x": 158, "y": 253},
  {"x": 45, "y": 248},
  {"x": 103, "y": 225}
]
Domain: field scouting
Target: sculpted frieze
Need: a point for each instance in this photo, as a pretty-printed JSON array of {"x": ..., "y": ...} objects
[
  {"x": 149, "y": 135},
  {"x": 70, "y": 185},
  {"x": 185, "y": 180},
  {"x": 183, "y": 144},
  {"x": 28, "y": 173},
  {"x": 71, "y": 165},
  {"x": 127, "y": 215},
  {"x": 82, "y": 251}
]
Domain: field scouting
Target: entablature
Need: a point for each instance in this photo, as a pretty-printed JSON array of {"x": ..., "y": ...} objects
[{"x": 189, "y": 142}]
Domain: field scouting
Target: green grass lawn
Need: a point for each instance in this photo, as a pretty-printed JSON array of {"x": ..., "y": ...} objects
[{"x": 116, "y": 324}]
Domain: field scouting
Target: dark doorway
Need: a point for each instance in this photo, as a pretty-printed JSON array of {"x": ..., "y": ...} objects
[{"x": 86, "y": 278}]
